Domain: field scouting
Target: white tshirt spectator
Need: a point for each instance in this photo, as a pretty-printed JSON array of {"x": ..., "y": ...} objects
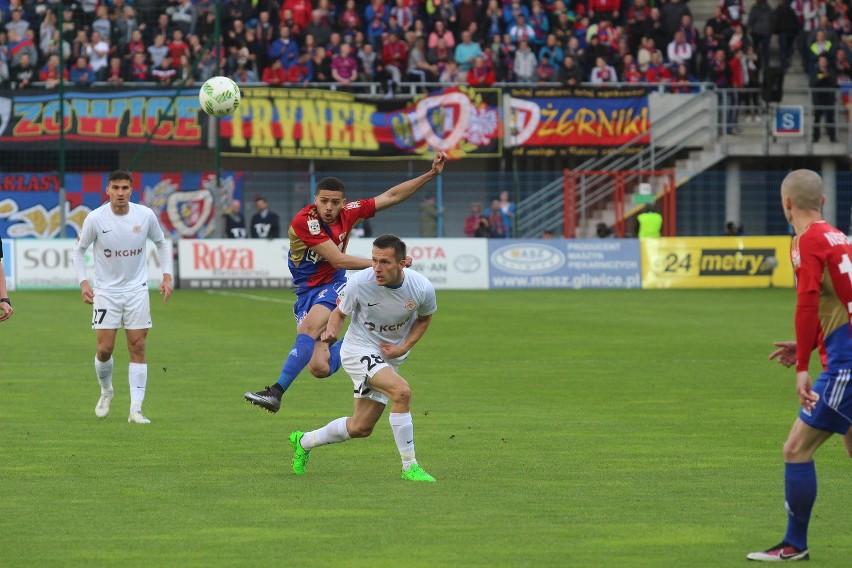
[
  {"x": 679, "y": 51},
  {"x": 97, "y": 52},
  {"x": 158, "y": 51},
  {"x": 603, "y": 73},
  {"x": 17, "y": 22}
]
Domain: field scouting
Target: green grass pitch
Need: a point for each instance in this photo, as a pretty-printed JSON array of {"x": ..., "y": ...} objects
[{"x": 566, "y": 428}]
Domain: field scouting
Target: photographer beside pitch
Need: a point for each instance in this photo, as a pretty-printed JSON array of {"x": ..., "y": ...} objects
[
  {"x": 118, "y": 231},
  {"x": 823, "y": 311},
  {"x": 391, "y": 308}
]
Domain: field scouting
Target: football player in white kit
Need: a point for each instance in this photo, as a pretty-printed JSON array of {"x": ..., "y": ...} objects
[
  {"x": 118, "y": 232},
  {"x": 391, "y": 308}
]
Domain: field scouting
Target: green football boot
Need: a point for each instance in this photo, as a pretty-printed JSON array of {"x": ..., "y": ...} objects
[
  {"x": 414, "y": 473},
  {"x": 300, "y": 456}
]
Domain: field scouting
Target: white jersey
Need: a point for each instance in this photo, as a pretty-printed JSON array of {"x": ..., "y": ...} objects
[
  {"x": 119, "y": 247},
  {"x": 381, "y": 314}
]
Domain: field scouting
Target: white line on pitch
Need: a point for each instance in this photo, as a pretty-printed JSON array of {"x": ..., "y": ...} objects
[{"x": 250, "y": 297}]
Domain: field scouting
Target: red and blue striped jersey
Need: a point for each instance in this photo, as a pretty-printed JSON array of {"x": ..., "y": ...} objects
[
  {"x": 307, "y": 267},
  {"x": 822, "y": 260}
]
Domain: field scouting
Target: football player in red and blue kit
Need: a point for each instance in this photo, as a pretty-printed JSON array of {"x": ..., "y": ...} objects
[
  {"x": 822, "y": 260},
  {"x": 318, "y": 261}
]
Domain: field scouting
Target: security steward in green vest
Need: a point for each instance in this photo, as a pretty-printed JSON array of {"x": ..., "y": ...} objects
[{"x": 650, "y": 223}]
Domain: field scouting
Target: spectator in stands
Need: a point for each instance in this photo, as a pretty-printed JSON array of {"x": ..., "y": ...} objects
[
  {"x": 679, "y": 51},
  {"x": 452, "y": 74},
  {"x": 717, "y": 22},
  {"x": 82, "y": 73},
  {"x": 467, "y": 51},
  {"x": 760, "y": 29},
  {"x": 367, "y": 58},
  {"x": 395, "y": 56},
  {"x": 18, "y": 47},
  {"x": 710, "y": 43},
  {"x": 165, "y": 73},
  {"x": 284, "y": 49},
  {"x": 658, "y": 31},
  {"x": 570, "y": 73},
  {"x": 544, "y": 70},
  {"x": 321, "y": 65},
  {"x": 235, "y": 10},
  {"x": 161, "y": 27},
  {"x": 114, "y": 72},
  {"x": 657, "y": 71},
  {"x": 563, "y": 28},
  {"x": 275, "y": 74},
  {"x": 302, "y": 71},
  {"x": 630, "y": 71},
  {"x": 102, "y": 23},
  {"x": 158, "y": 50},
  {"x": 22, "y": 73},
  {"x": 645, "y": 54},
  {"x": 732, "y": 11},
  {"x": 649, "y": 223},
  {"x": 418, "y": 68},
  {"x": 824, "y": 84},
  {"x": 690, "y": 33},
  {"x": 552, "y": 48},
  {"x": 525, "y": 63},
  {"x": 301, "y": 11},
  {"x": 4, "y": 58},
  {"x": 842, "y": 67},
  {"x": 98, "y": 52},
  {"x": 785, "y": 24},
  {"x": 124, "y": 27},
  {"x": 479, "y": 74},
  {"x": 540, "y": 24},
  {"x": 751, "y": 81},
  {"x": 820, "y": 46},
  {"x": 521, "y": 30},
  {"x": 139, "y": 71},
  {"x": 671, "y": 14},
  {"x": 53, "y": 47},
  {"x": 49, "y": 74},
  {"x": 184, "y": 16},
  {"x": 319, "y": 28},
  {"x": 344, "y": 67},
  {"x": 243, "y": 74},
  {"x": 17, "y": 22},
  {"x": 738, "y": 39},
  {"x": 45, "y": 31},
  {"x": 682, "y": 80},
  {"x": 471, "y": 222},
  {"x": 603, "y": 72}
]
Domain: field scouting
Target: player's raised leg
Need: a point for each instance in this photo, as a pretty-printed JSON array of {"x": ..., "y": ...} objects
[{"x": 309, "y": 329}]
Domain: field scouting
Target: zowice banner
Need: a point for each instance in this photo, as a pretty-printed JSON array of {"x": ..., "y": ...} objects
[
  {"x": 103, "y": 117},
  {"x": 309, "y": 123},
  {"x": 577, "y": 121}
]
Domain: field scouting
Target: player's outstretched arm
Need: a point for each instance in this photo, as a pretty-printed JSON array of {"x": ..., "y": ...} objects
[
  {"x": 337, "y": 259},
  {"x": 332, "y": 329},
  {"x": 401, "y": 192}
]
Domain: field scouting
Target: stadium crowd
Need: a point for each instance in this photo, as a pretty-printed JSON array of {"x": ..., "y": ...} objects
[{"x": 474, "y": 42}]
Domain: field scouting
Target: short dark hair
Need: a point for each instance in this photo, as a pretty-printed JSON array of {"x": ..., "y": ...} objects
[
  {"x": 120, "y": 175},
  {"x": 391, "y": 242},
  {"x": 331, "y": 184}
]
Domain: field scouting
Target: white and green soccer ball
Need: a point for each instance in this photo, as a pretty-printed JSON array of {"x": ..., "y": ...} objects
[{"x": 219, "y": 96}]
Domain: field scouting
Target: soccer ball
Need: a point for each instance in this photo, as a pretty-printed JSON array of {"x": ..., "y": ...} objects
[{"x": 219, "y": 96}]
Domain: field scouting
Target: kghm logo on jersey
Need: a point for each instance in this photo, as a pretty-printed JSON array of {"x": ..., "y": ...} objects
[
  {"x": 122, "y": 253},
  {"x": 410, "y": 305}
]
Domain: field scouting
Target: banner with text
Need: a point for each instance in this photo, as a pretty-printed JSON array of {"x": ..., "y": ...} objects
[
  {"x": 602, "y": 263},
  {"x": 578, "y": 122},
  {"x": 94, "y": 118},
  {"x": 48, "y": 264},
  {"x": 309, "y": 123},
  {"x": 457, "y": 264},
  {"x": 716, "y": 262},
  {"x": 185, "y": 202}
]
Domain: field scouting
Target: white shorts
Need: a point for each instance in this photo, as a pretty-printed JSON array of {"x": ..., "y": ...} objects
[
  {"x": 133, "y": 309},
  {"x": 362, "y": 365}
]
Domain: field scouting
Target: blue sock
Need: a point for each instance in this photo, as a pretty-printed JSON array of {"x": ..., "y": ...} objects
[
  {"x": 334, "y": 358},
  {"x": 297, "y": 360},
  {"x": 800, "y": 491}
]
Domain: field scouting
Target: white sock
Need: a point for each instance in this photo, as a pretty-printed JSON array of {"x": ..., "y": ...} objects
[
  {"x": 103, "y": 370},
  {"x": 138, "y": 377},
  {"x": 403, "y": 434},
  {"x": 332, "y": 433}
]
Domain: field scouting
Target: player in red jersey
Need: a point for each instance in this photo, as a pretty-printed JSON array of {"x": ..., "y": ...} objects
[
  {"x": 822, "y": 260},
  {"x": 318, "y": 261}
]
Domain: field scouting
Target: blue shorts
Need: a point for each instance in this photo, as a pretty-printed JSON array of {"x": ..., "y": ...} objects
[
  {"x": 325, "y": 295},
  {"x": 833, "y": 412}
]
